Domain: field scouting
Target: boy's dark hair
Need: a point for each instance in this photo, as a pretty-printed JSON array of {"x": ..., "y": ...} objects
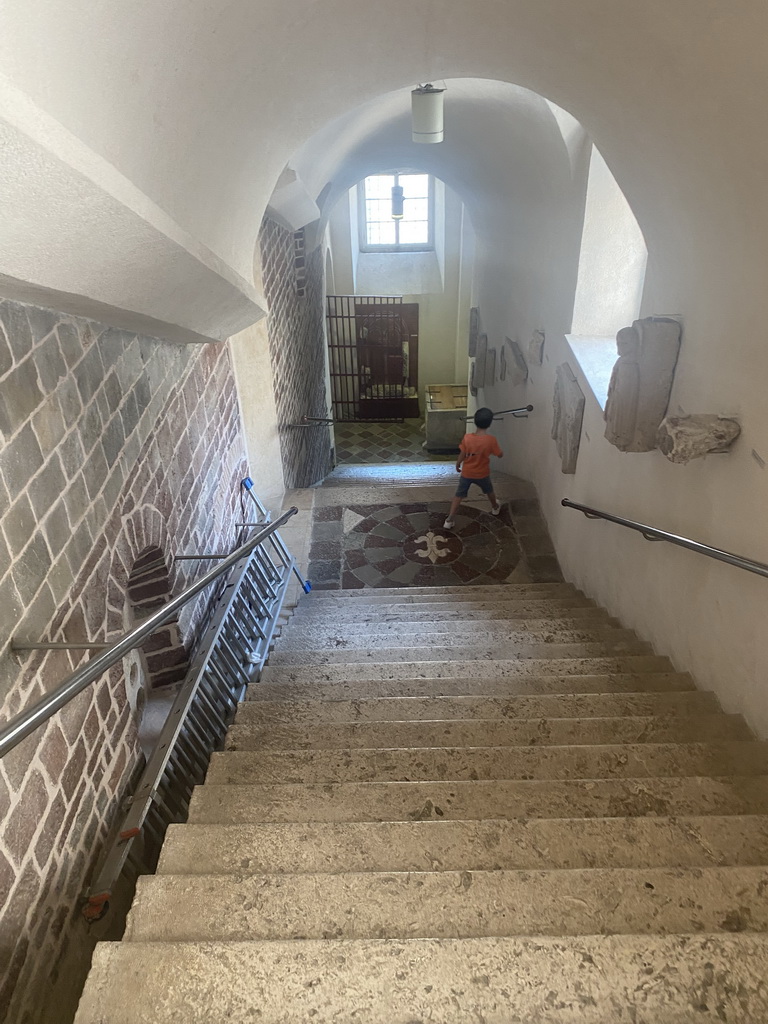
[{"x": 483, "y": 418}]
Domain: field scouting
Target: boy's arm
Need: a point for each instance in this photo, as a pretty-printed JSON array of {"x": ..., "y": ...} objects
[
  {"x": 459, "y": 461},
  {"x": 498, "y": 453}
]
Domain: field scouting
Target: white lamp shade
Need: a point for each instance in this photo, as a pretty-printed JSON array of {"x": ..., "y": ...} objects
[{"x": 427, "y": 114}]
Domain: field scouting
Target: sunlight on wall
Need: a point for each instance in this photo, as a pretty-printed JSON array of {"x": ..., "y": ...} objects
[{"x": 612, "y": 258}]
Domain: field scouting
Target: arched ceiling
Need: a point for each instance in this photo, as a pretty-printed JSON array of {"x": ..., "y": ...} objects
[
  {"x": 503, "y": 145},
  {"x": 197, "y": 106}
]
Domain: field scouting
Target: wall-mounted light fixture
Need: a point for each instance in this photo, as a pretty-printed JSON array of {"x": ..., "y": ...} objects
[
  {"x": 427, "y": 114},
  {"x": 397, "y": 202}
]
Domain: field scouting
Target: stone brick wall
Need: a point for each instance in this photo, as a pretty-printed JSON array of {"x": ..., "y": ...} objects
[
  {"x": 293, "y": 286},
  {"x": 110, "y": 444}
]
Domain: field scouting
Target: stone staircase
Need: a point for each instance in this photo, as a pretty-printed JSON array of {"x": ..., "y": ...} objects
[{"x": 462, "y": 806}]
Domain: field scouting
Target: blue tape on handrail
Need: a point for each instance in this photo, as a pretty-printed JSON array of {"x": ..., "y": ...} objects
[
  {"x": 307, "y": 586},
  {"x": 247, "y": 483}
]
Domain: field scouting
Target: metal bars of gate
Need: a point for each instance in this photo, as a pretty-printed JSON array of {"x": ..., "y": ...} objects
[
  {"x": 342, "y": 350},
  {"x": 231, "y": 653}
]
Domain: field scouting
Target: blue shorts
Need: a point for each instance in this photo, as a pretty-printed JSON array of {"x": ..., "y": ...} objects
[{"x": 484, "y": 483}]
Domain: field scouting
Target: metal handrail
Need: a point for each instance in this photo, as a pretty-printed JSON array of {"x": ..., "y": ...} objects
[
  {"x": 25, "y": 723},
  {"x": 651, "y": 533},
  {"x": 520, "y": 413}
]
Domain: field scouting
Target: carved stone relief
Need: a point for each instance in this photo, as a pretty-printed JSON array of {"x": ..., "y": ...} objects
[
  {"x": 638, "y": 393},
  {"x": 503, "y": 362},
  {"x": 480, "y": 360},
  {"x": 682, "y": 438},
  {"x": 536, "y": 348},
  {"x": 569, "y": 412},
  {"x": 490, "y": 368},
  {"x": 473, "y": 378},
  {"x": 519, "y": 368},
  {"x": 474, "y": 330}
]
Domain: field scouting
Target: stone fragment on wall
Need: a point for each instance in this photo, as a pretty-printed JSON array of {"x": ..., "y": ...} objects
[
  {"x": 536, "y": 348},
  {"x": 682, "y": 438},
  {"x": 473, "y": 378},
  {"x": 641, "y": 382},
  {"x": 474, "y": 331},
  {"x": 480, "y": 360},
  {"x": 490, "y": 368},
  {"x": 518, "y": 373},
  {"x": 568, "y": 415}
]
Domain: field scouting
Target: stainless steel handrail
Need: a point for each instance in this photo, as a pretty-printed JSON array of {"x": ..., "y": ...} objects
[
  {"x": 520, "y": 413},
  {"x": 27, "y": 721},
  {"x": 651, "y": 533}
]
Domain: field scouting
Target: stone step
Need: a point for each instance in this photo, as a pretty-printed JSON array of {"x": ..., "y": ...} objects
[
  {"x": 411, "y": 709},
  {"x": 576, "y": 618},
  {"x": 446, "y": 609},
  {"x": 501, "y": 683},
  {"x": 735, "y": 757},
  {"x": 494, "y": 651},
  {"x": 448, "y": 904},
  {"x": 411, "y": 594},
  {"x": 506, "y": 668},
  {"x": 479, "y": 799},
  {"x": 347, "y": 638},
  {"x": 487, "y": 732},
  {"x": 596, "y": 979},
  {"x": 487, "y": 845}
]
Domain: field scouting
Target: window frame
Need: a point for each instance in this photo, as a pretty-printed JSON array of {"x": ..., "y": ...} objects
[{"x": 362, "y": 220}]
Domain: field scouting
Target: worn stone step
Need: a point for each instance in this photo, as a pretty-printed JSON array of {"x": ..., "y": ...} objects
[
  {"x": 596, "y": 979},
  {"x": 590, "y": 618},
  {"x": 446, "y": 609},
  {"x": 496, "y": 650},
  {"x": 507, "y": 668},
  {"x": 508, "y": 679},
  {"x": 737, "y": 757},
  {"x": 488, "y": 732},
  {"x": 480, "y": 638},
  {"x": 410, "y": 709},
  {"x": 412, "y": 594},
  {"x": 448, "y": 904},
  {"x": 487, "y": 845},
  {"x": 478, "y": 799}
]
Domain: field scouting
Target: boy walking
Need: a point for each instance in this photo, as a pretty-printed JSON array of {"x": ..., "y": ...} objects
[{"x": 474, "y": 464}]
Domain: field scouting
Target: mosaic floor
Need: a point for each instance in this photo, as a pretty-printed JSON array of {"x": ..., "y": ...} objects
[
  {"x": 377, "y": 443},
  {"x": 400, "y": 545}
]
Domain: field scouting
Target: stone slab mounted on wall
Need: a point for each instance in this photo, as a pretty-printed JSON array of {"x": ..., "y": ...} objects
[
  {"x": 481, "y": 360},
  {"x": 536, "y": 348},
  {"x": 474, "y": 331},
  {"x": 518, "y": 371},
  {"x": 641, "y": 382},
  {"x": 682, "y": 438},
  {"x": 569, "y": 412}
]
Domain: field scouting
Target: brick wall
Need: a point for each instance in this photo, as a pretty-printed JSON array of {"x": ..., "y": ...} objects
[
  {"x": 293, "y": 286},
  {"x": 110, "y": 443}
]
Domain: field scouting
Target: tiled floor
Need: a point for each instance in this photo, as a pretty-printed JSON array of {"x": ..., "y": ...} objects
[
  {"x": 400, "y": 545},
  {"x": 378, "y": 443}
]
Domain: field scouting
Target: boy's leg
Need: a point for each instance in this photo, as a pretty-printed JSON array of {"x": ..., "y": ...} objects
[
  {"x": 461, "y": 493},
  {"x": 490, "y": 494}
]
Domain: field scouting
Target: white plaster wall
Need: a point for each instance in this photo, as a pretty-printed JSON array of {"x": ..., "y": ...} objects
[
  {"x": 612, "y": 259},
  {"x": 253, "y": 373}
]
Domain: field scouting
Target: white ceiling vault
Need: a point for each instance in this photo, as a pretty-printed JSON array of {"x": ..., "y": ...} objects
[{"x": 143, "y": 140}]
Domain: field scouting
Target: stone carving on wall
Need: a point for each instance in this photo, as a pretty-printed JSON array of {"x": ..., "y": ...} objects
[
  {"x": 503, "y": 363},
  {"x": 682, "y": 438},
  {"x": 474, "y": 330},
  {"x": 569, "y": 412},
  {"x": 519, "y": 370},
  {"x": 490, "y": 368},
  {"x": 480, "y": 360},
  {"x": 641, "y": 382},
  {"x": 473, "y": 378},
  {"x": 536, "y": 348}
]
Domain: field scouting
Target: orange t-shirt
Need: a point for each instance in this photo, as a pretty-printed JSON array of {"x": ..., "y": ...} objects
[{"x": 477, "y": 450}]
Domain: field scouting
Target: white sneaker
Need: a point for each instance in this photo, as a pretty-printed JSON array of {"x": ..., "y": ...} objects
[
  {"x": 496, "y": 511},
  {"x": 449, "y": 524}
]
